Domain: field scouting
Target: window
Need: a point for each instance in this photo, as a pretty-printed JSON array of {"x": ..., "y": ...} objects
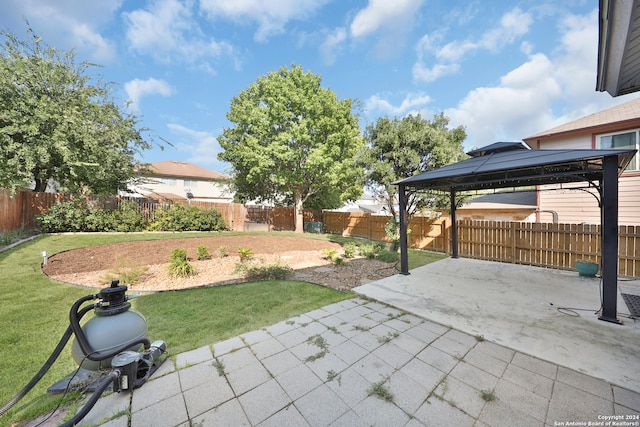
[
  {"x": 627, "y": 139},
  {"x": 169, "y": 181},
  {"x": 190, "y": 183}
]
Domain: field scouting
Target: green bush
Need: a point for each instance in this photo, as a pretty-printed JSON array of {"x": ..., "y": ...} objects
[
  {"x": 245, "y": 254},
  {"x": 203, "y": 253},
  {"x": 180, "y": 265},
  {"x": 262, "y": 271},
  {"x": 128, "y": 217},
  {"x": 369, "y": 250},
  {"x": 182, "y": 269},
  {"x": 223, "y": 252},
  {"x": 66, "y": 216},
  {"x": 349, "y": 250},
  {"x": 100, "y": 220},
  {"x": 178, "y": 217},
  {"x": 179, "y": 254},
  {"x": 77, "y": 215}
]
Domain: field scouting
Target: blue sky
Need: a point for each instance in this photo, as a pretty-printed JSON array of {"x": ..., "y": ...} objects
[{"x": 503, "y": 69}]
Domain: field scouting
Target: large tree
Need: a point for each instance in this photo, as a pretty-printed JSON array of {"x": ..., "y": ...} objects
[
  {"x": 293, "y": 143},
  {"x": 56, "y": 124},
  {"x": 399, "y": 148}
]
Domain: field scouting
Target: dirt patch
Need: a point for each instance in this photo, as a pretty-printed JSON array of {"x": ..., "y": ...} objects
[{"x": 92, "y": 266}]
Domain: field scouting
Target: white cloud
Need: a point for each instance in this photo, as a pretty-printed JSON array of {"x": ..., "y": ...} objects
[
  {"x": 384, "y": 14},
  {"x": 539, "y": 94},
  {"x": 517, "y": 107},
  {"x": 391, "y": 21},
  {"x": 413, "y": 102},
  {"x": 73, "y": 24},
  {"x": 513, "y": 25},
  {"x": 330, "y": 48},
  {"x": 424, "y": 74},
  {"x": 203, "y": 147},
  {"x": 271, "y": 16},
  {"x": 167, "y": 30},
  {"x": 137, "y": 88}
]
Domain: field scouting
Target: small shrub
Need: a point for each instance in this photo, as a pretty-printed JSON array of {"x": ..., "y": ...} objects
[
  {"x": 368, "y": 251},
  {"x": 223, "y": 252},
  {"x": 179, "y": 254},
  {"x": 182, "y": 269},
  {"x": 203, "y": 253},
  {"x": 126, "y": 271},
  {"x": 329, "y": 254},
  {"x": 338, "y": 260},
  {"x": 262, "y": 271},
  {"x": 245, "y": 254},
  {"x": 349, "y": 250}
]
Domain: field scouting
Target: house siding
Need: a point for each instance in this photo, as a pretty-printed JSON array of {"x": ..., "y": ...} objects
[
  {"x": 576, "y": 206},
  {"x": 580, "y": 207}
]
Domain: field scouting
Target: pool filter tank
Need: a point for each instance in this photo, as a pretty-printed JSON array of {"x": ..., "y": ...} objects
[
  {"x": 113, "y": 325},
  {"x": 113, "y": 344}
]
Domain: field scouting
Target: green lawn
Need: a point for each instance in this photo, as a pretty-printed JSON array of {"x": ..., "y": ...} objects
[{"x": 34, "y": 312}]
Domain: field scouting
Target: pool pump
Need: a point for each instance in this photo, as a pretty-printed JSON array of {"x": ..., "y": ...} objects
[{"x": 113, "y": 341}]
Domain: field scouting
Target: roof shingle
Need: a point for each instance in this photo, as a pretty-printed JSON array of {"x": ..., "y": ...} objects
[{"x": 618, "y": 114}]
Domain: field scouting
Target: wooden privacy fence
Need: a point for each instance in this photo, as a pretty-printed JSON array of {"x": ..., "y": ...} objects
[
  {"x": 19, "y": 211},
  {"x": 537, "y": 244}
]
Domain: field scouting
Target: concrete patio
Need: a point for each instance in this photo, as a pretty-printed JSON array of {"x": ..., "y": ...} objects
[{"x": 457, "y": 342}]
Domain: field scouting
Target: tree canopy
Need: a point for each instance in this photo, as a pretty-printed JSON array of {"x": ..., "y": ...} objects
[
  {"x": 399, "y": 148},
  {"x": 293, "y": 143},
  {"x": 58, "y": 125}
]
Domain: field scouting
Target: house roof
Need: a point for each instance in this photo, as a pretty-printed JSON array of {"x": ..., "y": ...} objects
[
  {"x": 620, "y": 114},
  {"x": 518, "y": 167},
  {"x": 512, "y": 198},
  {"x": 182, "y": 170},
  {"x": 619, "y": 47},
  {"x": 164, "y": 196}
]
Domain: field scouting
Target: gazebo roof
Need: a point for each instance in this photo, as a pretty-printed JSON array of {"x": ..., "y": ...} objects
[{"x": 514, "y": 164}]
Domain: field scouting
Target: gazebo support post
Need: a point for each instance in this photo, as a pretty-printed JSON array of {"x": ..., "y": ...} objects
[
  {"x": 404, "y": 251},
  {"x": 454, "y": 226},
  {"x": 609, "y": 232}
]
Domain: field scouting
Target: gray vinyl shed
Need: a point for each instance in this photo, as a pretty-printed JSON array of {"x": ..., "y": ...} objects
[{"x": 514, "y": 164}]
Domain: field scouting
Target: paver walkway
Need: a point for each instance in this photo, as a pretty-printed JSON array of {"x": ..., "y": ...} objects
[{"x": 362, "y": 363}]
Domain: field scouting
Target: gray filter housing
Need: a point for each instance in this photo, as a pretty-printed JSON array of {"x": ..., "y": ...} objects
[{"x": 105, "y": 333}]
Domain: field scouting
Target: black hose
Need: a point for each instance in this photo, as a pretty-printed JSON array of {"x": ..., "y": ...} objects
[
  {"x": 52, "y": 358},
  {"x": 100, "y": 388}
]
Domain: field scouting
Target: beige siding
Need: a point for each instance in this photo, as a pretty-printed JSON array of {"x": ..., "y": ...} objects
[
  {"x": 572, "y": 142},
  {"x": 578, "y": 207}
]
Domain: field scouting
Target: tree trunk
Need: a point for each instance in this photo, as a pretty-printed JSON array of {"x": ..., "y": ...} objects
[
  {"x": 41, "y": 186},
  {"x": 298, "y": 210}
]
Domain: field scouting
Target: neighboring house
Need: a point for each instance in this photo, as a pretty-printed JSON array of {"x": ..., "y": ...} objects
[
  {"x": 366, "y": 203},
  {"x": 504, "y": 206},
  {"x": 173, "y": 180},
  {"x": 617, "y": 127}
]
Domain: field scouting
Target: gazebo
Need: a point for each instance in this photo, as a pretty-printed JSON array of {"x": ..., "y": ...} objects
[{"x": 514, "y": 164}]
